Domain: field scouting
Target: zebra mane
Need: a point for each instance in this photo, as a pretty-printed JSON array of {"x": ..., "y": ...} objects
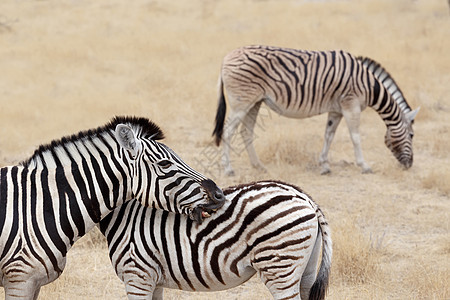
[
  {"x": 388, "y": 82},
  {"x": 143, "y": 127}
]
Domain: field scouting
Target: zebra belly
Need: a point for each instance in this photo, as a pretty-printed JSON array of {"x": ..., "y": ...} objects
[
  {"x": 295, "y": 113},
  {"x": 229, "y": 281}
]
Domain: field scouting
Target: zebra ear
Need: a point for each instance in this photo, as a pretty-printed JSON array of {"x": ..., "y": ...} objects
[
  {"x": 412, "y": 114},
  {"x": 127, "y": 139}
]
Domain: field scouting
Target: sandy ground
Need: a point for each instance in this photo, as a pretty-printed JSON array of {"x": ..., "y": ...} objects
[{"x": 67, "y": 66}]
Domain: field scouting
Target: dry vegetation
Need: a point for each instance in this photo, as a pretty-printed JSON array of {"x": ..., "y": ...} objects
[{"x": 72, "y": 65}]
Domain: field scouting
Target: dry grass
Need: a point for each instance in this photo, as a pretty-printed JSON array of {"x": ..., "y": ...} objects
[
  {"x": 356, "y": 258},
  {"x": 428, "y": 283},
  {"x": 72, "y": 65}
]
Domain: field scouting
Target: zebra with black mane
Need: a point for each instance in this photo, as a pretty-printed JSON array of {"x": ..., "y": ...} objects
[
  {"x": 267, "y": 227},
  {"x": 55, "y": 197},
  {"x": 301, "y": 84}
]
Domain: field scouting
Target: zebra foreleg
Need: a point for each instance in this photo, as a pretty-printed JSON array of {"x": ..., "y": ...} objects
[
  {"x": 332, "y": 123},
  {"x": 21, "y": 290},
  {"x": 352, "y": 112},
  {"x": 248, "y": 126}
]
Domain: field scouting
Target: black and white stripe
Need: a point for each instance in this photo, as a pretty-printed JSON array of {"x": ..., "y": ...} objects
[
  {"x": 267, "y": 227},
  {"x": 301, "y": 84},
  {"x": 52, "y": 199}
]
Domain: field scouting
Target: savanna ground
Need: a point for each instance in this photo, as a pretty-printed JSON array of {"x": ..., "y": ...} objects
[{"x": 67, "y": 66}]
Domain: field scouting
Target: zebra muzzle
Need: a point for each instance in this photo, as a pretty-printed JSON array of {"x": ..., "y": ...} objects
[
  {"x": 216, "y": 200},
  {"x": 202, "y": 212}
]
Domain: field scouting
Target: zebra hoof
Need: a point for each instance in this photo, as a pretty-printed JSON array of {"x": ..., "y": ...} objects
[
  {"x": 260, "y": 168},
  {"x": 367, "y": 171},
  {"x": 229, "y": 173},
  {"x": 325, "y": 171}
]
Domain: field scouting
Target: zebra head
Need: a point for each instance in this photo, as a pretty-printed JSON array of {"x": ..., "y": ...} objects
[
  {"x": 399, "y": 139},
  {"x": 161, "y": 179}
]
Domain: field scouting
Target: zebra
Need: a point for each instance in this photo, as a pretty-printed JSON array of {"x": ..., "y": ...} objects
[
  {"x": 301, "y": 84},
  {"x": 66, "y": 187},
  {"x": 266, "y": 227}
]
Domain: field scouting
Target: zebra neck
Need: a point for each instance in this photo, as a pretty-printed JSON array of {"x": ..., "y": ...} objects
[
  {"x": 386, "y": 106},
  {"x": 387, "y": 81},
  {"x": 67, "y": 202},
  {"x": 84, "y": 196}
]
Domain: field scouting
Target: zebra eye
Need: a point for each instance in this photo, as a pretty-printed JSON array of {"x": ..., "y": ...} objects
[
  {"x": 411, "y": 135},
  {"x": 165, "y": 163}
]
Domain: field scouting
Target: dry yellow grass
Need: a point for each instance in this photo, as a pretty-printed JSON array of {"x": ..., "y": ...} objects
[{"x": 71, "y": 65}]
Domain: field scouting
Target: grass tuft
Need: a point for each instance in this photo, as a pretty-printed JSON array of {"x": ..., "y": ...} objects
[{"x": 355, "y": 259}]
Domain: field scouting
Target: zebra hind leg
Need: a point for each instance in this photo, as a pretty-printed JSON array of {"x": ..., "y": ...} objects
[
  {"x": 232, "y": 123},
  {"x": 36, "y": 293},
  {"x": 282, "y": 289},
  {"x": 248, "y": 126},
  {"x": 310, "y": 274},
  {"x": 158, "y": 293},
  {"x": 281, "y": 278}
]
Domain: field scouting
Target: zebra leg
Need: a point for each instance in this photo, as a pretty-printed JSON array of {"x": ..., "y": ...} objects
[
  {"x": 332, "y": 124},
  {"x": 248, "y": 125},
  {"x": 235, "y": 118},
  {"x": 351, "y": 111},
  {"x": 158, "y": 293},
  {"x": 279, "y": 275},
  {"x": 20, "y": 290},
  {"x": 282, "y": 287},
  {"x": 140, "y": 285},
  {"x": 310, "y": 273},
  {"x": 36, "y": 293}
]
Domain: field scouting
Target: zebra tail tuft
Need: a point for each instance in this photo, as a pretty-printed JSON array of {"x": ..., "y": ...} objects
[
  {"x": 220, "y": 115},
  {"x": 319, "y": 289}
]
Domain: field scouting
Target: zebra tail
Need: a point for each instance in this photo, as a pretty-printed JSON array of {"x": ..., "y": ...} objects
[
  {"x": 220, "y": 115},
  {"x": 319, "y": 289}
]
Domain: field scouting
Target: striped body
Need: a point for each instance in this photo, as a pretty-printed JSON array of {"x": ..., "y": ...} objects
[
  {"x": 52, "y": 199},
  {"x": 301, "y": 84},
  {"x": 268, "y": 227}
]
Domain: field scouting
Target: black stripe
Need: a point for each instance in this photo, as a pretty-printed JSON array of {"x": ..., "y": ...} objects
[
  {"x": 103, "y": 186},
  {"x": 109, "y": 173},
  {"x": 49, "y": 220},
  {"x": 143, "y": 227},
  {"x": 270, "y": 235},
  {"x": 15, "y": 221},
  {"x": 179, "y": 249},
  {"x": 119, "y": 219},
  {"x": 195, "y": 254},
  {"x": 165, "y": 247},
  {"x": 152, "y": 233},
  {"x": 63, "y": 188},
  {"x": 252, "y": 215},
  {"x": 36, "y": 231},
  {"x": 91, "y": 202},
  {"x": 3, "y": 197}
]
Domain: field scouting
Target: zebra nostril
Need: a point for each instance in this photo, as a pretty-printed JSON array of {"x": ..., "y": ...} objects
[{"x": 218, "y": 196}]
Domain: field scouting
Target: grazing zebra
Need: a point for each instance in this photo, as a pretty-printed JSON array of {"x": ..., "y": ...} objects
[
  {"x": 301, "y": 84},
  {"x": 268, "y": 227},
  {"x": 55, "y": 197}
]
